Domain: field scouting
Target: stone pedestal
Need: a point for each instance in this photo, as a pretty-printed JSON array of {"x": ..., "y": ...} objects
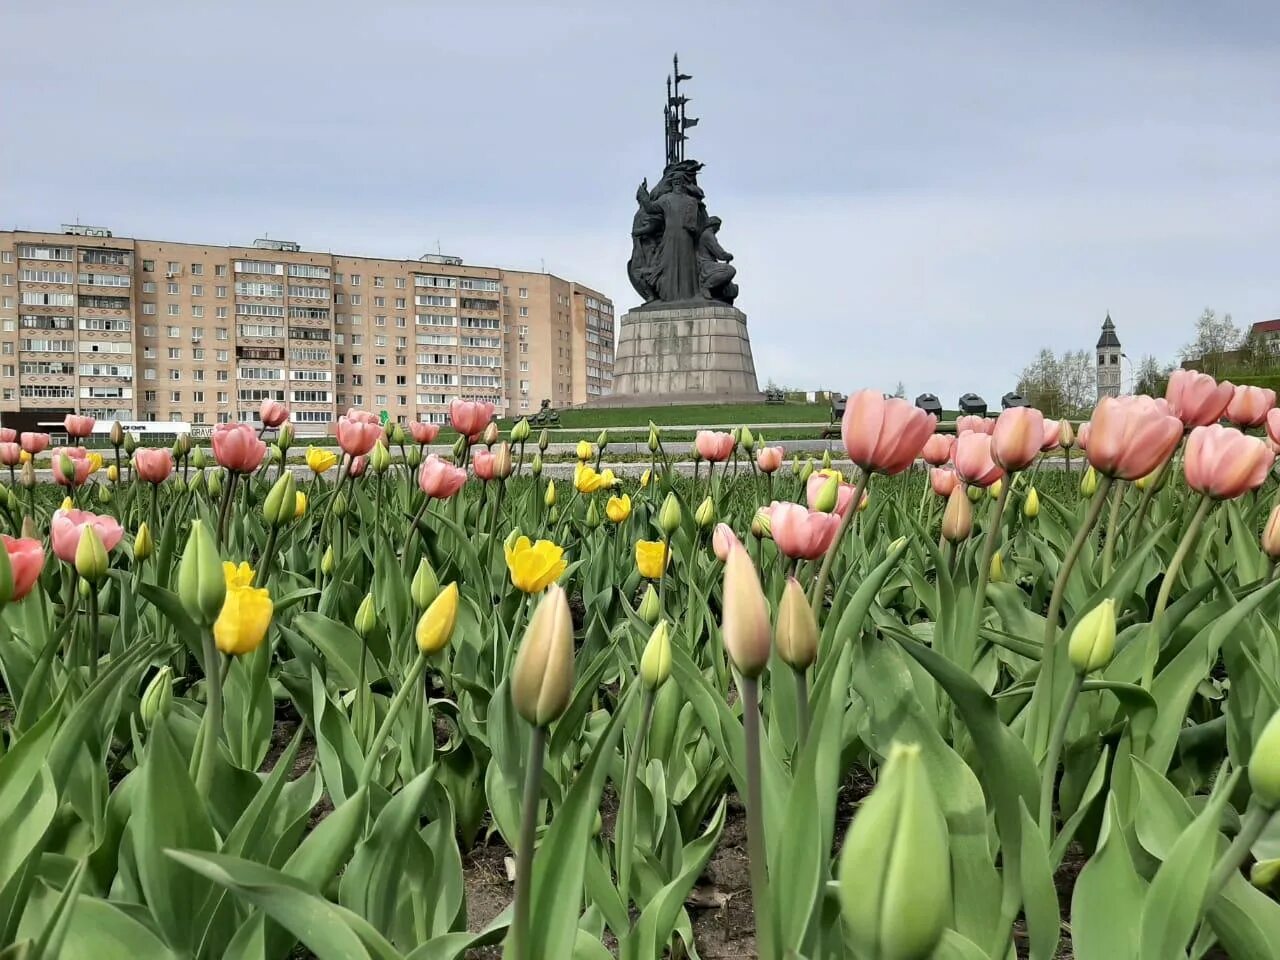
[{"x": 683, "y": 353}]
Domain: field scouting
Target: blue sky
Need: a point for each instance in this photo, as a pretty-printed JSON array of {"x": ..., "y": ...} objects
[{"x": 912, "y": 191}]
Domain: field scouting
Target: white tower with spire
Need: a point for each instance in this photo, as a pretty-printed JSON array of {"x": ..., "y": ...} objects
[{"x": 1109, "y": 355}]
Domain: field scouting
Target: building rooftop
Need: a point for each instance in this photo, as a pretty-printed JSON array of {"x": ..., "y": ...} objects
[
  {"x": 1266, "y": 326},
  {"x": 1108, "y": 337}
]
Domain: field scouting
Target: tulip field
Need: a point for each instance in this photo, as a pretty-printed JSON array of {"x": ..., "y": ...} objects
[{"x": 1008, "y": 688}]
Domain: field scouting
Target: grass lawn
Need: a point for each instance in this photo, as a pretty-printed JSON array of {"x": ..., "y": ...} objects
[{"x": 751, "y": 414}]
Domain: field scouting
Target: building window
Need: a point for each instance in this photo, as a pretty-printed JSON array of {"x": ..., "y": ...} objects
[
  {"x": 379, "y": 282},
  {"x": 220, "y": 270},
  {"x": 220, "y": 292},
  {"x": 174, "y": 310},
  {"x": 197, "y": 269},
  {"x": 355, "y": 279}
]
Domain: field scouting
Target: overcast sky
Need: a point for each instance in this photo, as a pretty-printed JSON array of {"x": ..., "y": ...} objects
[{"x": 925, "y": 192}]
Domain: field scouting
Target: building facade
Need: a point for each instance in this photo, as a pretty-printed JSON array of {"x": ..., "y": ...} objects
[
  {"x": 1109, "y": 359},
  {"x": 153, "y": 330}
]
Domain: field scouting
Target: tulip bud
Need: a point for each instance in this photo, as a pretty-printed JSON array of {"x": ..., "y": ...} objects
[
  {"x": 214, "y": 482},
  {"x": 366, "y": 620},
  {"x": 201, "y": 583},
  {"x": 1155, "y": 478},
  {"x": 1264, "y": 764},
  {"x": 490, "y": 435},
  {"x": 745, "y": 616},
  {"x": 29, "y": 529},
  {"x": 554, "y": 514},
  {"x": 327, "y": 561},
  {"x": 1093, "y": 641},
  {"x": 424, "y": 587},
  {"x": 653, "y": 437},
  {"x": 84, "y": 588},
  {"x": 178, "y": 484},
  {"x": 183, "y": 444},
  {"x": 198, "y": 459},
  {"x": 593, "y": 515},
  {"x": 549, "y": 498},
  {"x": 502, "y": 461},
  {"x": 645, "y": 479},
  {"x": 995, "y": 489},
  {"x": 796, "y": 633},
  {"x": 27, "y": 479},
  {"x": 143, "y": 544},
  {"x": 535, "y": 465},
  {"x": 520, "y": 431},
  {"x": 339, "y": 504},
  {"x": 1264, "y": 873},
  {"x": 542, "y": 678},
  {"x": 281, "y": 503},
  {"x": 650, "y": 608},
  {"x": 274, "y": 455},
  {"x": 602, "y": 440},
  {"x": 747, "y": 440},
  {"x": 13, "y": 501},
  {"x": 762, "y": 523},
  {"x": 829, "y": 496},
  {"x": 975, "y": 493},
  {"x": 388, "y": 428},
  {"x": 116, "y": 434},
  {"x": 1089, "y": 483},
  {"x": 284, "y": 437},
  {"x": 655, "y": 662},
  {"x": 113, "y": 473},
  {"x": 957, "y": 519},
  {"x": 804, "y": 471},
  {"x": 1031, "y": 506},
  {"x": 736, "y": 435},
  {"x": 130, "y": 443},
  {"x": 669, "y": 515},
  {"x": 379, "y": 458},
  {"x": 1066, "y": 434},
  {"x": 413, "y": 457},
  {"x": 68, "y": 468},
  {"x": 459, "y": 448},
  {"x": 397, "y": 434},
  {"x": 435, "y": 626},
  {"x": 826, "y": 459},
  {"x": 544, "y": 440},
  {"x": 157, "y": 697},
  {"x": 104, "y": 495},
  {"x": 1271, "y": 534},
  {"x": 705, "y": 515},
  {"x": 583, "y": 451},
  {"x": 197, "y": 482},
  {"x": 895, "y": 869},
  {"x": 996, "y": 573}
]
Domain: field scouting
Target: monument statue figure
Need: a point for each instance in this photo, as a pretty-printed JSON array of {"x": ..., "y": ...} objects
[
  {"x": 677, "y": 201},
  {"x": 715, "y": 270},
  {"x": 646, "y": 228}
]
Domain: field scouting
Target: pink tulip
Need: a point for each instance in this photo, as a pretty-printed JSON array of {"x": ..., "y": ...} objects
[
  {"x": 844, "y": 493},
  {"x": 769, "y": 459},
  {"x": 1196, "y": 398},
  {"x": 424, "y": 433},
  {"x": 713, "y": 445},
  {"x": 71, "y": 467},
  {"x": 356, "y": 467},
  {"x": 470, "y": 417},
  {"x": 1129, "y": 437},
  {"x": 78, "y": 426},
  {"x": 938, "y": 449},
  {"x": 799, "y": 533},
  {"x": 153, "y": 464},
  {"x": 440, "y": 478},
  {"x": 34, "y": 443},
  {"x": 884, "y": 435},
  {"x": 65, "y": 529},
  {"x": 1052, "y": 435},
  {"x": 723, "y": 539},
  {"x": 237, "y": 447},
  {"x": 26, "y": 559},
  {"x": 974, "y": 462},
  {"x": 362, "y": 416},
  {"x": 972, "y": 423},
  {"x": 357, "y": 437},
  {"x": 1082, "y": 436},
  {"x": 1223, "y": 463},
  {"x": 8, "y": 435},
  {"x": 10, "y": 454},
  {"x": 1273, "y": 426},
  {"x": 1016, "y": 439},
  {"x": 943, "y": 480},
  {"x": 1250, "y": 406},
  {"x": 482, "y": 463},
  {"x": 273, "y": 413}
]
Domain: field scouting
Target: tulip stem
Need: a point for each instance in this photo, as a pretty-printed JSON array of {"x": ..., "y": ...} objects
[
  {"x": 818, "y": 596},
  {"x": 267, "y": 560},
  {"x": 627, "y": 824},
  {"x": 225, "y": 508},
  {"x": 662, "y": 571},
  {"x": 984, "y": 568},
  {"x": 413, "y": 528},
  {"x": 393, "y": 712},
  {"x": 92, "y": 639},
  {"x": 802, "y": 709},
  {"x": 1109, "y": 548},
  {"x": 1049, "y": 776},
  {"x": 750, "y": 690},
  {"x": 211, "y": 729},
  {"x": 1255, "y": 820},
  {"x": 1166, "y": 587},
  {"x": 528, "y": 832}
]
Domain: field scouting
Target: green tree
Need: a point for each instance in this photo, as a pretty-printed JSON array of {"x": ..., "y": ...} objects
[{"x": 1216, "y": 337}]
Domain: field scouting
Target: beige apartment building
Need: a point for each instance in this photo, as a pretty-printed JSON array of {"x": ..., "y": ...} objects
[{"x": 183, "y": 332}]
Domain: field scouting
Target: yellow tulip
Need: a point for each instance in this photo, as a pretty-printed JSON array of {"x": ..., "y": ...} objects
[
  {"x": 534, "y": 566},
  {"x": 246, "y": 614},
  {"x": 24, "y": 457},
  {"x": 68, "y": 503},
  {"x": 95, "y": 463},
  {"x": 608, "y": 480},
  {"x": 832, "y": 472},
  {"x": 645, "y": 478},
  {"x": 300, "y": 505},
  {"x": 237, "y": 576},
  {"x": 435, "y": 626},
  {"x": 586, "y": 480},
  {"x": 649, "y": 555},
  {"x": 320, "y": 460},
  {"x": 618, "y": 508},
  {"x": 584, "y": 450},
  {"x": 113, "y": 473}
]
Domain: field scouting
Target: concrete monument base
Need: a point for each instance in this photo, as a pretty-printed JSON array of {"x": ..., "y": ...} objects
[{"x": 683, "y": 353}]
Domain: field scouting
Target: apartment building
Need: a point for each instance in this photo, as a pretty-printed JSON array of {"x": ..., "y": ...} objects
[{"x": 183, "y": 332}]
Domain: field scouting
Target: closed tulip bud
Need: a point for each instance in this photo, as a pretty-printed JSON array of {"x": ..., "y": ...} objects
[
  {"x": 535, "y": 465},
  {"x": 113, "y": 473},
  {"x": 736, "y": 434},
  {"x": 379, "y": 458},
  {"x": 593, "y": 515},
  {"x": 762, "y": 523},
  {"x": 502, "y": 461},
  {"x": 747, "y": 440},
  {"x": 366, "y": 620},
  {"x": 27, "y": 478},
  {"x": 29, "y": 531},
  {"x": 178, "y": 484},
  {"x": 745, "y": 616},
  {"x": 425, "y": 586},
  {"x": 796, "y": 633},
  {"x": 198, "y": 459},
  {"x": 1089, "y": 483},
  {"x": 797, "y": 465},
  {"x": 995, "y": 489},
  {"x": 895, "y": 869},
  {"x": 197, "y": 482},
  {"x": 1093, "y": 641},
  {"x": 281, "y": 503},
  {"x": 339, "y": 504},
  {"x": 435, "y": 626},
  {"x": 602, "y": 440},
  {"x": 1155, "y": 479},
  {"x": 327, "y": 562},
  {"x": 655, "y": 662},
  {"x": 68, "y": 468},
  {"x": 274, "y": 455},
  {"x": 13, "y": 500},
  {"x": 143, "y": 544},
  {"x": 284, "y": 438},
  {"x": 176, "y": 450},
  {"x": 413, "y": 457},
  {"x": 1264, "y": 873},
  {"x": 104, "y": 495},
  {"x": 653, "y": 437},
  {"x": 1264, "y": 764},
  {"x": 68, "y": 504},
  {"x": 1271, "y": 534},
  {"x": 130, "y": 443},
  {"x": 84, "y": 588},
  {"x": 669, "y": 515},
  {"x": 650, "y": 608},
  {"x": 554, "y": 514},
  {"x": 544, "y": 440},
  {"x": 397, "y": 434},
  {"x": 996, "y": 573},
  {"x": 388, "y": 429},
  {"x": 520, "y": 431},
  {"x": 826, "y": 459},
  {"x": 202, "y": 585},
  {"x": 491, "y": 434},
  {"x": 1066, "y": 434},
  {"x": 184, "y": 443},
  {"x": 957, "y": 519},
  {"x": 645, "y": 479},
  {"x": 975, "y": 493},
  {"x": 583, "y": 451},
  {"x": 705, "y": 515},
  {"x": 542, "y": 678},
  {"x": 116, "y": 435},
  {"x": 549, "y": 498},
  {"x": 829, "y": 496},
  {"x": 459, "y": 447},
  {"x": 1031, "y": 506},
  {"x": 214, "y": 483},
  {"x": 157, "y": 697},
  {"x": 805, "y": 471}
]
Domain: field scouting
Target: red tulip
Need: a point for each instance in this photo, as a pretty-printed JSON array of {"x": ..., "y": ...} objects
[
  {"x": 1223, "y": 463},
  {"x": 1052, "y": 435},
  {"x": 237, "y": 447},
  {"x": 943, "y": 480},
  {"x": 1129, "y": 437},
  {"x": 975, "y": 424},
  {"x": 938, "y": 449},
  {"x": 26, "y": 559},
  {"x": 1196, "y": 398},
  {"x": 723, "y": 539},
  {"x": 974, "y": 463},
  {"x": 424, "y": 433},
  {"x": 78, "y": 426},
  {"x": 153, "y": 464},
  {"x": 356, "y": 466},
  {"x": 8, "y": 435},
  {"x": 440, "y": 478},
  {"x": 10, "y": 454},
  {"x": 273, "y": 413},
  {"x": 769, "y": 459},
  {"x": 1016, "y": 439},
  {"x": 482, "y": 463},
  {"x": 799, "y": 533},
  {"x": 71, "y": 466},
  {"x": 34, "y": 443},
  {"x": 357, "y": 437},
  {"x": 470, "y": 417},
  {"x": 713, "y": 445},
  {"x": 64, "y": 532},
  {"x": 1250, "y": 406},
  {"x": 884, "y": 435}
]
